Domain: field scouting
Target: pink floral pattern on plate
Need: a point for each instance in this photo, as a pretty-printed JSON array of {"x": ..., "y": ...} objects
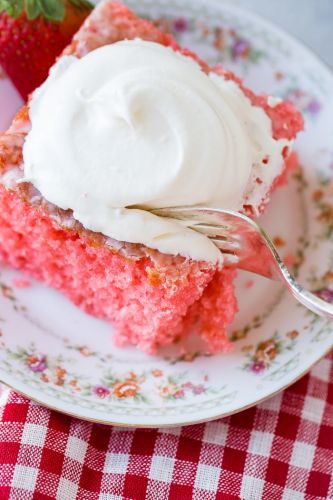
[
  {"x": 227, "y": 42},
  {"x": 265, "y": 353}
]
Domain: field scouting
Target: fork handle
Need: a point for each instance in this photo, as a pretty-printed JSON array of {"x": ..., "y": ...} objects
[
  {"x": 308, "y": 299},
  {"x": 276, "y": 269}
]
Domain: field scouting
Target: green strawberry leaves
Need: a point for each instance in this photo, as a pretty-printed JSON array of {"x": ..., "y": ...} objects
[
  {"x": 32, "y": 9},
  {"x": 52, "y": 10},
  {"x": 13, "y": 7},
  {"x": 82, "y": 4}
]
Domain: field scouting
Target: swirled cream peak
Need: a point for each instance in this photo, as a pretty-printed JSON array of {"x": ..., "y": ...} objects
[{"x": 134, "y": 126}]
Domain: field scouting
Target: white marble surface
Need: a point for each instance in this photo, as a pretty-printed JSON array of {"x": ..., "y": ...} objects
[{"x": 308, "y": 20}]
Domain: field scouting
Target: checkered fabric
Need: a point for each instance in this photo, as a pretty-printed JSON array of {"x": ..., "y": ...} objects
[{"x": 281, "y": 449}]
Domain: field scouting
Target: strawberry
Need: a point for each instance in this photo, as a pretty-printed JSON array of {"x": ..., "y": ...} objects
[{"x": 33, "y": 33}]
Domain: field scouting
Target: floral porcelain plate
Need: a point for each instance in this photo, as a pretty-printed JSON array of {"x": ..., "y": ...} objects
[{"x": 65, "y": 359}]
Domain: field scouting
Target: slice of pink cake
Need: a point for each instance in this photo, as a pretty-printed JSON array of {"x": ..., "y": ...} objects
[{"x": 151, "y": 298}]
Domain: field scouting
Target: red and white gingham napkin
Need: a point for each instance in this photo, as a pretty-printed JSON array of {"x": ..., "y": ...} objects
[{"x": 281, "y": 449}]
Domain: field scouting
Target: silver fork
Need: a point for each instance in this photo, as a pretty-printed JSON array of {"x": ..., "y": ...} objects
[{"x": 245, "y": 245}]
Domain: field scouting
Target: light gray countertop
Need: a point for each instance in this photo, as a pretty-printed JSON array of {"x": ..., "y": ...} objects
[{"x": 311, "y": 21}]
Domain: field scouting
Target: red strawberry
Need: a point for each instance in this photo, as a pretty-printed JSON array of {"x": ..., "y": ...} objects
[{"x": 33, "y": 33}]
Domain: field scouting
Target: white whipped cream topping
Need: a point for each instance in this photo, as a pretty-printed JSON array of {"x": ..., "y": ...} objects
[{"x": 135, "y": 124}]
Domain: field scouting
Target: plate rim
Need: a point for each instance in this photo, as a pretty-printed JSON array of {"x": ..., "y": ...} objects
[{"x": 89, "y": 419}]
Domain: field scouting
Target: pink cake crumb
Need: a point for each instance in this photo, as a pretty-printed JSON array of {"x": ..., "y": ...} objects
[
  {"x": 249, "y": 284},
  {"x": 21, "y": 283}
]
